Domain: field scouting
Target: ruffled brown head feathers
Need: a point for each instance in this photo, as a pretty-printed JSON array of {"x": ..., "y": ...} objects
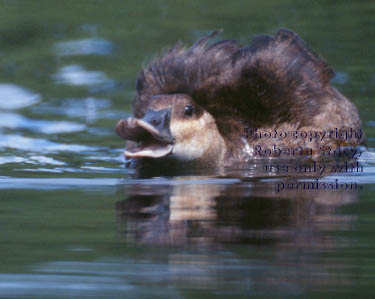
[{"x": 267, "y": 81}]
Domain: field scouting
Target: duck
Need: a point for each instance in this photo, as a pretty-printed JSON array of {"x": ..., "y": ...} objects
[{"x": 220, "y": 104}]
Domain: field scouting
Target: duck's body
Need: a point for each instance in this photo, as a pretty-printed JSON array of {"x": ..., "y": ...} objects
[{"x": 199, "y": 107}]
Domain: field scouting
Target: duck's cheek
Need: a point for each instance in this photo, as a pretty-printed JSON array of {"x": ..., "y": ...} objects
[
  {"x": 189, "y": 144},
  {"x": 187, "y": 151}
]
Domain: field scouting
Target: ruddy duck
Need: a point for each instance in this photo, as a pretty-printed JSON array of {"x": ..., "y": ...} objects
[{"x": 212, "y": 104}]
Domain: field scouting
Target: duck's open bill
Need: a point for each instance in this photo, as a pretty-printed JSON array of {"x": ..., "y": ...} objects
[
  {"x": 150, "y": 151},
  {"x": 152, "y": 141}
]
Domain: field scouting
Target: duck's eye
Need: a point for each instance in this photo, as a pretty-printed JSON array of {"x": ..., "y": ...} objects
[{"x": 189, "y": 110}]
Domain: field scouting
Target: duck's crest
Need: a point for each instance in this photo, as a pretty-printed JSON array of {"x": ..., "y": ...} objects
[{"x": 274, "y": 76}]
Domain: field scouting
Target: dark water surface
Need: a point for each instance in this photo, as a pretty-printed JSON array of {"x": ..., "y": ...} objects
[{"x": 75, "y": 223}]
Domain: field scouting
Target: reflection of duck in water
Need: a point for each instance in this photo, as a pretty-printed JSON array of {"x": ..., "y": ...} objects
[
  {"x": 214, "y": 231},
  {"x": 194, "y": 104},
  {"x": 214, "y": 211}
]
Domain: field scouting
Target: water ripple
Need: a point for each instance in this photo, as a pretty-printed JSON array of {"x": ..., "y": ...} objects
[
  {"x": 89, "y": 108},
  {"x": 25, "y": 285},
  {"x": 16, "y": 121},
  {"x": 41, "y": 145},
  {"x": 89, "y": 46},
  {"x": 55, "y": 183},
  {"x": 76, "y": 75},
  {"x": 14, "y": 97}
]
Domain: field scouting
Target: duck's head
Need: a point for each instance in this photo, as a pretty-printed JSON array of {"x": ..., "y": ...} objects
[{"x": 176, "y": 128}]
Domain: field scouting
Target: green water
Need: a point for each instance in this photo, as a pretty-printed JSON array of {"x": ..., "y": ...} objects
[{"x": 75, "y": 223}]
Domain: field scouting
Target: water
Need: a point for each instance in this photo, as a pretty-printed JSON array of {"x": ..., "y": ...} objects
[{"x": 76, "y": 223}]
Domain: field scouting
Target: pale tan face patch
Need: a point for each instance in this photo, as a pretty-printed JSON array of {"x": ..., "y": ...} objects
[{"x": 196, "y": 138}]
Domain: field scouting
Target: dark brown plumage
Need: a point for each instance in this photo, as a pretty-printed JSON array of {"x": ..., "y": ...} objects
[
  {"x": 274, "y": 83},
  {"x": 268, "y": 75}
]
